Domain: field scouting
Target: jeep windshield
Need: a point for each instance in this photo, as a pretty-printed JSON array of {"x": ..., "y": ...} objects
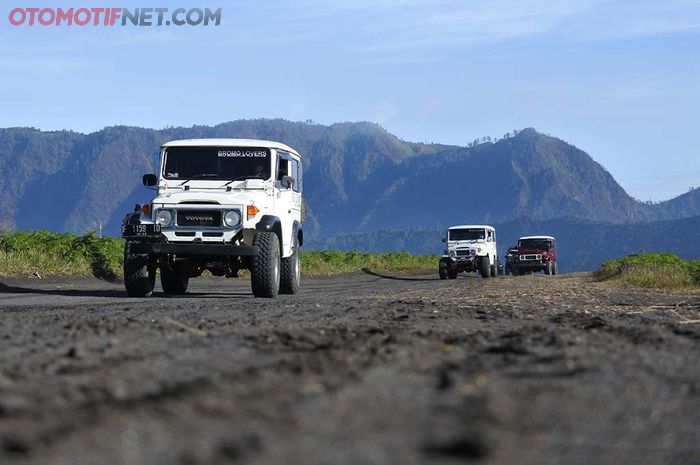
[
  {"x": 217, "y": 163},
  {"x": 467, "y": 235},
  {"x": 534, "y": 243}
]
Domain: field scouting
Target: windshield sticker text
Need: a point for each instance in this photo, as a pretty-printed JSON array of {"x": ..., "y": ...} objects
[{"x": 242, "y": 153}]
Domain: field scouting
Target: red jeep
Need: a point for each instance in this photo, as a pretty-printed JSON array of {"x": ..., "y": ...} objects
[{"x": 535, "y": 253}]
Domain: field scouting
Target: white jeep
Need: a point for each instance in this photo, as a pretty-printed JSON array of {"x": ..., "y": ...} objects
[
  {"x": 222, "y": 205},
  {"x": 470, "y": 248}
]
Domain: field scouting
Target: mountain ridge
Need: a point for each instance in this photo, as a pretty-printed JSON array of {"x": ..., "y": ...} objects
[{"x": 359, "y": 177}]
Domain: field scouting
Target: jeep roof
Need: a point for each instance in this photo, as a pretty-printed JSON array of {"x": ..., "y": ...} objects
[
  {"x": 536, "y": 237},
  {"x": 230, "y": 143},
  {"x": 472, "y": 226}
]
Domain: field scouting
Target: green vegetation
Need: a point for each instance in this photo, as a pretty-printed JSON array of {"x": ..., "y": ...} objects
[
  {"x": 653, "y": 270},
  {"x": 46, "y": 253},
  {"x": 333, "y": 262},
  {"x": 52, "y": 254}
]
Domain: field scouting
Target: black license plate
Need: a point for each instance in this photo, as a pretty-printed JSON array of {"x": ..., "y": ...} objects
[{"x": 140, "y": 230}]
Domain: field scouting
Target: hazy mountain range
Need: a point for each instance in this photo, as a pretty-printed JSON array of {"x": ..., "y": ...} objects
[{"x": 359, "y": 178}]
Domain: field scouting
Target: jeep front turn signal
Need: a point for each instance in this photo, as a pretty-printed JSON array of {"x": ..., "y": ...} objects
[
  {"x": 147, "y": 208},
  {"x": 252, "y": 211}
]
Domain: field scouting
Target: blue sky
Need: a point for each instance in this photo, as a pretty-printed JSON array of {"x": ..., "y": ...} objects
[{"x": 619, "y": 79}]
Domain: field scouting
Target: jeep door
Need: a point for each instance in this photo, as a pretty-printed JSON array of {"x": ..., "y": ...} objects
[{"x": 288, "y": 199}]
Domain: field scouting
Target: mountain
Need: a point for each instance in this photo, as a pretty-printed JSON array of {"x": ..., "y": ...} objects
[
  {"x": 683, "y": 206},
  {"x": 582, "y": 246},
  {"x": 358, "y": 177},
  {"x": 529, "y": 175}
]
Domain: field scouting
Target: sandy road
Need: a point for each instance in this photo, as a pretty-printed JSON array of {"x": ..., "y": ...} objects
[{"x": 358, "y": 369}]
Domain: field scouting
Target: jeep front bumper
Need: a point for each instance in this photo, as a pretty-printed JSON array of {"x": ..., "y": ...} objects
[
  {"x": 530, "y": 265},
  {"x": 193, "y": 249}
]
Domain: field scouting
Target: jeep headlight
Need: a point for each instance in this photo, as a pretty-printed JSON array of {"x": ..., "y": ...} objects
[
  {"x": 232, "y": 218},
  {"x": 164, "y": 217},
  {"x": 453, "y": 253},
  {"x": 479, "y": 249}
]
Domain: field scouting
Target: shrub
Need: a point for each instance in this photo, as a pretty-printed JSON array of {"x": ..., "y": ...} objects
[
  {"x": 653, "y": 270},
  {"x": 47, "y": 253}
]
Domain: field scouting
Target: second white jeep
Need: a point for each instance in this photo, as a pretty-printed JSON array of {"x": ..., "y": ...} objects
[
  {"x": 470, "y": 248},
  {"x": 222, "y": 205}
]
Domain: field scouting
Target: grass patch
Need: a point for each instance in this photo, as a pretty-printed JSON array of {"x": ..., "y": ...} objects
[
  {"x": 653, "y": 270},
  {"x": 53, "y": 254},
  {"x": 334, "y": 262}
]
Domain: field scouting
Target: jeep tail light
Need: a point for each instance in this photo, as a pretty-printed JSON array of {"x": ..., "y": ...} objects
[
  {"x": 252, "y": 210},
  {"x": 147, "y": 208}
]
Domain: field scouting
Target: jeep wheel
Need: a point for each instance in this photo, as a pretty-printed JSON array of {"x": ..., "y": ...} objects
[
  {"x": 485, "y": 267},
  {"x": 139, "y": 277},
  {"x": 173, "y": 283},
  {"x": 494, "y": 270},
  {"x": 548, "y": 268},
  {"x": 265, "y": 266},
  {"x": 451, "y": 272},
  {"x": 291, "y": 272},
  {"x": 442, "y": 269},
  {"x": 554, "y": 267}
]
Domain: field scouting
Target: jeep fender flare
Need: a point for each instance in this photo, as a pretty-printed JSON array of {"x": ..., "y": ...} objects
[
  {"x": 298, "y": 232},
  {"x": 132, "y": 218},
  {"x": 271, "y": 223}
]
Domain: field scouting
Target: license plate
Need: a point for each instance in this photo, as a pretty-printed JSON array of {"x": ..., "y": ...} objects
[{"x": 140, "y": 230}]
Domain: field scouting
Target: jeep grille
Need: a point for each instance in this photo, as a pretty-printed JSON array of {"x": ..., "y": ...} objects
[{"x": 210, "y": 218}]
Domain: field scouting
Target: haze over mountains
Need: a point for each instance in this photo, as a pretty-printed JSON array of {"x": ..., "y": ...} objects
[{"x": 358, "y": 178}]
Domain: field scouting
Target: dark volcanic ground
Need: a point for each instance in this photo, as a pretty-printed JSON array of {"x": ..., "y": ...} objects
[{"x": 359, "y": 369}]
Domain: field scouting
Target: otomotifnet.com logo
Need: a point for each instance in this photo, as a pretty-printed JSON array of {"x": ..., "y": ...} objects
[{"x": 112, "y": 17}]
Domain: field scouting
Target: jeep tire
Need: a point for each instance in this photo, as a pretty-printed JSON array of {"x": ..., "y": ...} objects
[
  {"x": 554, "y": 267},
  {"x": 291, "y": 271},
  {"x": 485, "y": 267},
  {"x": 139, "y": 277},
  {"x": 173, "y": 283},
  {"x": 265, "y": 266},
  {"x": 442, "y": 269},
  {"x": 452, "y": 272},
  {"x": 494, "y": 270}
]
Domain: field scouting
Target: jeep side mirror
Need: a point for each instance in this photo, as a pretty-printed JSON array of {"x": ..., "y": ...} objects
[
  {"x": 149, "y": 180},
  {"x": 287, "y": 182}
]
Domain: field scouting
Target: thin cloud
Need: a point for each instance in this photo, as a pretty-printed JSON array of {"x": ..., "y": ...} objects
[
  {"x": 397, "y": 29},
  {"x": 647, "y": 18},
  {"x": 439, "y": 26}
]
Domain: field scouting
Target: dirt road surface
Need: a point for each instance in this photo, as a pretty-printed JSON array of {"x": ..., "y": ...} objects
[{"x": 361, "y": 369}]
